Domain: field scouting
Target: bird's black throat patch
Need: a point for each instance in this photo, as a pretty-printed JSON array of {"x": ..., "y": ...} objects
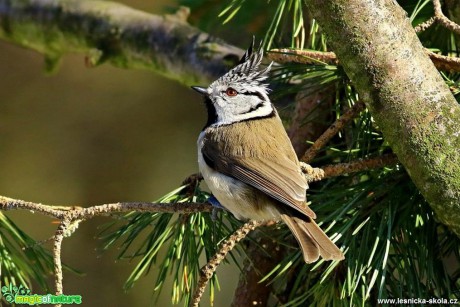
[{"x": 212, "y": 114}]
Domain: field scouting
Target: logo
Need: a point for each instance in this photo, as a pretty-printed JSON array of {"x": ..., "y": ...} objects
[{"x": 22, "y": 295}]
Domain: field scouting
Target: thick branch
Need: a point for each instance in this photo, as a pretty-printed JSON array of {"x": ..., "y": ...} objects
[
  {"x": 409, "y": 100},
  {"x": 114, "y": 33},
  {"x": 250, "y": 291}
]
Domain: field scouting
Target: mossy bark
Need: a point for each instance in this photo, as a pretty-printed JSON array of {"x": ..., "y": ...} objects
[
  {"x": 111, "y": 32},
  {"x": 406, "y": 95}
]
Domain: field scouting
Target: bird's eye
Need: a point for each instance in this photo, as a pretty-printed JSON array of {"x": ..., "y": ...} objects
[{"x": 231, "y": 92}]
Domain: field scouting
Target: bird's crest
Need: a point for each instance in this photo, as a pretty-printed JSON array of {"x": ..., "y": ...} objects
[{"x": 247, "y": 71}]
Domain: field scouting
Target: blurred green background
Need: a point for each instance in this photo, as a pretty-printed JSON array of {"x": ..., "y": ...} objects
[{"x": 92, "y": 136}]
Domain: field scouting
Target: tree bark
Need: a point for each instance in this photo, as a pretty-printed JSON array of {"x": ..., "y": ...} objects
[
  {"x": 406, "y": 95},
  {"x": 111, "y": 32}
]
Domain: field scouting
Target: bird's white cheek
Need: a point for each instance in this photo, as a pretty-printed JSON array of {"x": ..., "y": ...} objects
[{"x": 219, "y": 102}]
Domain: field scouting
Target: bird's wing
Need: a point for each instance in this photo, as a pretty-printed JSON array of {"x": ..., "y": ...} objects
[{"x": 277, "y": 176}]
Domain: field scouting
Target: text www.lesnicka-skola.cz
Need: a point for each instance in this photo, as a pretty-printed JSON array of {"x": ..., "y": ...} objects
[{"x": 433, "y": 301}]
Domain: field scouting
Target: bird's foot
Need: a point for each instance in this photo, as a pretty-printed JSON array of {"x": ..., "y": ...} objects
[
  {"x": 215, "y": 203},
  {"x": 216, "y": 207}
]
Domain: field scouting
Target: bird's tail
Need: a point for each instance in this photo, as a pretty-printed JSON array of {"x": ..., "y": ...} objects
[{"x": 313, "y": 241}]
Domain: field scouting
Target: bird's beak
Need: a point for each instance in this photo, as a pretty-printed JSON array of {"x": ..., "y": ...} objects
[{"x": 202, "y": 90}]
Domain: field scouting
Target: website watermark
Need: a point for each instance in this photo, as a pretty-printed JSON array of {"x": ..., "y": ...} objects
[
  {"x": 22, "y": 296},
  {"x": 416, "y": 301}
]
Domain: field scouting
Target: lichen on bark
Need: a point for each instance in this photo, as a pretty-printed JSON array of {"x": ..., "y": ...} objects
[
  {"x": 406, "y": 95},
  {"x": 110, "y": 32}
]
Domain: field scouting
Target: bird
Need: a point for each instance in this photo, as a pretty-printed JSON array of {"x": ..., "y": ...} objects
[{"x": 247, "y": 159}]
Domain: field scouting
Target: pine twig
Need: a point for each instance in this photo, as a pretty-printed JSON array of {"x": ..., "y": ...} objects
[
  {"x": 72, "y": 215},
  {"x": 302, "y": 56},
  {"x": 75, "y": 213},
  {"x": 79, "y": 213},
  {"x": 7, "y": 203},
  {"x": 359, "y": 165},
  {"x": 425, "y": 25},
  {"x": 208, "y": 270},
  {"x": 445, "y": 63},
  {"x": 333, "y": 170},
  {"x": 58, "y": 238},
  {"x": 331, "y": 131},
  {"x": 442, "y": 19},
  {"x": 281, "y": 56}
]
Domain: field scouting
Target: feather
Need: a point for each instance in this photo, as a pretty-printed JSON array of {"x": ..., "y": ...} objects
[
  {"x": 248, "y": 161},
  {"x": 248, "y": 52},
  {"x": 312, "y": 240},
  {"x": 310, "y": 250},
  {"x": 258, "y": 153}
]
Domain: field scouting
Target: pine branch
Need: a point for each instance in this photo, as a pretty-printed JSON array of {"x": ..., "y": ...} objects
[
  {"x": 289, "y": 55},
  {"x": 71, "y": 216},
  {"x": 208, "y": 270},
  {"x": 58, "y": 238},
  {"x": 338, "y": 125},
  {"x": 114, "y": 33},
  {"x": 333, "y": 170},
  {"x": 425, "y": 25},
  {"x": 75, "y": 213},
  {"x": 444, "y": 63},
  {"x": 78, "y": 213},
  {"x": 442, "y": 19}
]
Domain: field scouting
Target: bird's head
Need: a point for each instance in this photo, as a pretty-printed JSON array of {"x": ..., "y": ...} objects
[{"x": 240, "y": 94}]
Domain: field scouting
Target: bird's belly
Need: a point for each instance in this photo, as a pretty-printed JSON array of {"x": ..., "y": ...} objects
[{"x": 242, "y": 200}]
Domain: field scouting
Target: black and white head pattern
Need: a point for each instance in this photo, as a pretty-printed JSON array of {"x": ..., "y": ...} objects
[{"x": 240, "y": 94}]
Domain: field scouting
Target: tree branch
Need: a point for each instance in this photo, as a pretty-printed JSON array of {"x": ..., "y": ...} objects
[
  {"x": 75, "y": 213},
  {"x": 334, "y": 170},
  {"x": 338, "y": 125},
  {"x": 78, "y": 213},
  {"x": 71, "y": 216},
  {"x": 445, "y": 63},
  {"x": 425, "y": 25},
  {"x": 58, "y": 238},
  {"x": 441, "y": 62},
  {"x": 410, "y": 102},
  {"x": 442, "y": 19},
  {"x": 208, "y": 270},
  {"x": 114, "y": 33},
  {"x": 288, "y": 55}
]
